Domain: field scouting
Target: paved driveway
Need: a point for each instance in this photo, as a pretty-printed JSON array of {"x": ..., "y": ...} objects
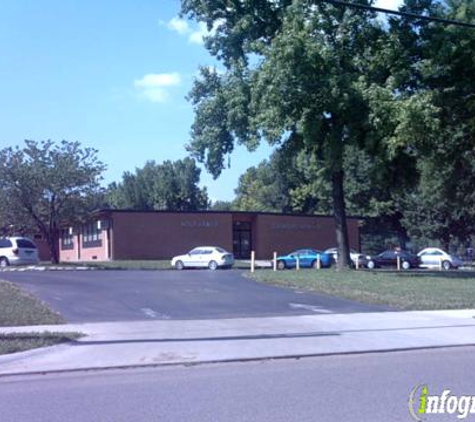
[{"x": 94, "y": 296}]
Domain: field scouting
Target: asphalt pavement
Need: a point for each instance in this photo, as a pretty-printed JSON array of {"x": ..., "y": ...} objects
[
  {"x": 99, "y": 296},
  {"x": 356, "y": 388}
]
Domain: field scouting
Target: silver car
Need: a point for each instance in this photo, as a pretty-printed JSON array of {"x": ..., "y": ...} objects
[
  {"x": 211, "y": 257},
  {"x": 436, "y": 257},
  {"x": 17, "y": 251}
]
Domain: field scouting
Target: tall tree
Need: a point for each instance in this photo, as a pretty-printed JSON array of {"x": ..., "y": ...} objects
[
  {"x": 443, "y": 206},
  {"x": 266, "y": 187},
  {"x": 310, "y": 74},
  {"x": 166, "y": 186},
  {"x": 45, "y": 185}
]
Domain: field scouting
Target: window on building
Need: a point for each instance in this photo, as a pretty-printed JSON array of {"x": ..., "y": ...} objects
[
  {"x": 67, "y": 240},
  {"x": 91, "y": 236}
]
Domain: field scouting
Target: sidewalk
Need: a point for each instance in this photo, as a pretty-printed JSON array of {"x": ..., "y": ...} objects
[{"x": 144, "y": 343}]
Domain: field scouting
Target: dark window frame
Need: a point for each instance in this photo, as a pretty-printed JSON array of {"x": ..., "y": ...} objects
[
  {"x": 91, "y": 236},
  {"x": 67, "y": 240}
]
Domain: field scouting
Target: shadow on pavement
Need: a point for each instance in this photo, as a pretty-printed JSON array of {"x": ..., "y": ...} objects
[{"x": 198, "y": 339}]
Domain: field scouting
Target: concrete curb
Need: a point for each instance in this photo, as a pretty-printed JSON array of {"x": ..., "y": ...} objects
[
  {"x": 44, "y": 268},
  {"x": 224, "y": 361}
]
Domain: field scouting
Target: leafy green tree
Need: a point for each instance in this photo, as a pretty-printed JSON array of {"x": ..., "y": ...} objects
[
  {"x": 266, "y": 186},
  {"x": 167, "y": 186},
  {"x": 297, "y": 183},
  {"x": 313, "y": 75},
  {"x": 443, "y": 205},
  {"x": 46, "y": 185},
  {"x": 222, "y": 206}
]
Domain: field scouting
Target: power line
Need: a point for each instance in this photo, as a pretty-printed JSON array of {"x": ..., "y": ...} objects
[{"x": 398, "y": 13}]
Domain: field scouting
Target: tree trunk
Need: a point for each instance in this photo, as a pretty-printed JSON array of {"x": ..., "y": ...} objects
[
  {"x": 53, "y": 243},
  {"x": 339, "y": 212},
  {"x": 445, "y": 240}
]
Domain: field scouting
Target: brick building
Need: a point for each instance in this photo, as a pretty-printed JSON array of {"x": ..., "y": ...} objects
[{"x": 125, "y": 234}]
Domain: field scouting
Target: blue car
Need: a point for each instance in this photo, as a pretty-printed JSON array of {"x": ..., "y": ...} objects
[{"x": 307, "y": 259}]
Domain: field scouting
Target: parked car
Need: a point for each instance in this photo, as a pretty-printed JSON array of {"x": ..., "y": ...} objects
[
  {"x": 389, "y": 259},
  {"x": 211, "y": 257},
  {"x": 354, "y": 256},
  {"x": 18, "y": 251},
  {"x": 434, "y": 257},
  {"x": 307, "y": 259}
]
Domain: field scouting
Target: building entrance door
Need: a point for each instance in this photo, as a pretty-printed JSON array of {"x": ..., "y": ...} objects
[{"x": 242, "y": 239}]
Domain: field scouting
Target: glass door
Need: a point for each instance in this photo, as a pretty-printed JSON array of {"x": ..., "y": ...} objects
[{"x": 242, "y": 240}]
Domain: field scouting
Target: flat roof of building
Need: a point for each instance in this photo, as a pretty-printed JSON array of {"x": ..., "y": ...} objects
[{"x": 115, "y": 210}]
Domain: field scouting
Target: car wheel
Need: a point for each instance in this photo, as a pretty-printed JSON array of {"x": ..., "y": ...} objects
[
  {"x": 371, "y": 265},
  {"x": 4, "y": 262},
  {"x": 179, "y": 265},
  {"x": 446, "y": 265},
  {"x": 281, "y": 265},
  {"x": 314, "y": 264},
  {"x": 406, "y": 265},
  {"x": 213, "y": 265}
]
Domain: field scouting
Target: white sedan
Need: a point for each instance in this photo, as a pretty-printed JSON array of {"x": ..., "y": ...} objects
[
  {"x": 354, "y": 256},
  {"x": 435, "y": 257},
  {"x": 211, "y": 257}
]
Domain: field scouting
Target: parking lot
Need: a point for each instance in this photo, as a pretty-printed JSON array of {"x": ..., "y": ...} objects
[{"x": 95, "y": 296}]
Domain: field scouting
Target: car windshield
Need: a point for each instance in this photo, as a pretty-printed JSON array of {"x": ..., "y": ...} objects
[{"x": 221, "y": 250}]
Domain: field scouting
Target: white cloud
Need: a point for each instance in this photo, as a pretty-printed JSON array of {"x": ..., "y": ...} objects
[
  {"x": 153, "y": 86},
  {"x": 154, "y": 80},
  {"x": 195, "y": 35},
  {"x": 179, "y": 25}
]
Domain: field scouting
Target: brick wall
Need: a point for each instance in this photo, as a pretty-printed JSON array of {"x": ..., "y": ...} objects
[
  {"x": 164, "y": 235},
  {"x": 284, "y": 234}
]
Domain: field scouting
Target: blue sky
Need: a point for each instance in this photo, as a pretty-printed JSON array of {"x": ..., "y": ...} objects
[{"x": 110, "y": 74}]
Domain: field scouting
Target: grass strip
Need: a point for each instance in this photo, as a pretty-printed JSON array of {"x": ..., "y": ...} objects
[
  {"x": 19, "y": 342},
  {"x": 18, "y": 307},
  {"x": 418, "y": 290},
  {"x": 132, "y": 265}
]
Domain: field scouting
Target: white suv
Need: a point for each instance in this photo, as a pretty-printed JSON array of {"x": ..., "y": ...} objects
[{"x": 17, "y": 251}]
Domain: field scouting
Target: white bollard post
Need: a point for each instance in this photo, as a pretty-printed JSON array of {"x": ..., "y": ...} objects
[
  {"x": 275, "y": 261},
  {"x": 319, "y": 262},
  {"x": 440, "y": 264},
  {"x": 253, "y": 261},
  {"x": 357, "y": 262},
  {"x": 399, "y": 263},
  {"x": 297, "y": 266}
]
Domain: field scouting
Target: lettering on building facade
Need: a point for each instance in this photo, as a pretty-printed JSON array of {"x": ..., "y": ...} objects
[
  {"x": 199, "y": 224},
  {"x": 296, "y": 226}
]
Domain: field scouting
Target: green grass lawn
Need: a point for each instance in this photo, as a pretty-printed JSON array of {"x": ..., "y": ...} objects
[
  {"x": 17, "y": 308},
  {"x": 19, "y": 342},
  {"x": 133, "y": 265},
  {"x": 115, "y": 265},
  {"x": 128, "y": 265},
  {"x": 404, "y": 290}
]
